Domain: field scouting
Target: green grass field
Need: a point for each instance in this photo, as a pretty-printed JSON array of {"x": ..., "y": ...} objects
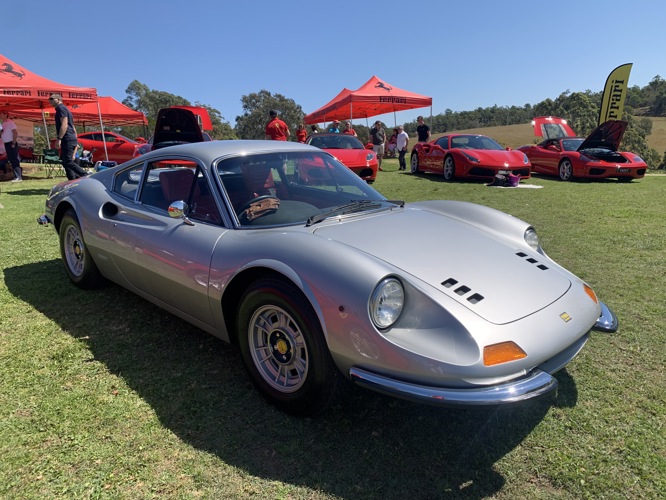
[{"x": 103, "y": 395}]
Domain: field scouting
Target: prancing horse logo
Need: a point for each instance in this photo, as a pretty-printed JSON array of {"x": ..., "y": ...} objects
[
  {"x": 382, "y": 85},
  {"x": 8, "y": 68}
]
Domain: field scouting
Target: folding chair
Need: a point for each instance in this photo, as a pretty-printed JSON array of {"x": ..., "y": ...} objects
[{"x": 52, "y": 163}]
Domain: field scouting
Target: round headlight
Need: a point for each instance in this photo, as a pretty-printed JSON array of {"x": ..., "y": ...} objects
[
  {"x": 532, "y": 239},
  {"x": 386, "y": 302}
]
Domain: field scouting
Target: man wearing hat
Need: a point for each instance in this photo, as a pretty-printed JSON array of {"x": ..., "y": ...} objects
[
  {"x": 334, "y": 127},
  {"x": 276, "y": 129}
]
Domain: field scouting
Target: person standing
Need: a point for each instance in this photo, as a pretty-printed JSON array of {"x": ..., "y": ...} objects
[
  {"x": 423, "y": 131},
  {"x": 276, "y": 129},
  {"x": 402, "y": 141},
  {"x": 348, "y": 129},
  {"x": 301, "y": 133},
  {"x": 334, "y": 127},
  {"x": 10, "y": 140},
  {"x": 66, "y": 138},
  {"x": 378, "y": 139}
]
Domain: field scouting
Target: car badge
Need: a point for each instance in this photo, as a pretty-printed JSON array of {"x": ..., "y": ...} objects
[{"x": 565, "y": 317}]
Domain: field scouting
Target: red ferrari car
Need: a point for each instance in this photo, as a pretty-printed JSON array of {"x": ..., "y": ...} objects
[
  {"x": 350, "y": 152},
  {"x": 596, "y": 157},
  {"x": 118, "y": 147},
  {"x": 467, "y": 156}
]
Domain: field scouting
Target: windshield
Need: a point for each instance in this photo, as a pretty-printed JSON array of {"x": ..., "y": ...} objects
[
  {"x": 474, "y": 142},
  {"x": 336, "y": 141},
  {"x": 270, "y": 189},
  {"x": 571, "y": 144}
]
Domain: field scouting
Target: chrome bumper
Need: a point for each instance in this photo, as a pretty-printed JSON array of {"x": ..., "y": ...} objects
[
  {"x": 535, "y": 384},
  {"x": 607, "y": 321}
]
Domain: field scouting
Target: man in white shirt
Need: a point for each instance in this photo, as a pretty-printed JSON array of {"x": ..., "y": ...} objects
[
  {"x": 9, "y": 138},
  {"x": 401, "y": 145}
]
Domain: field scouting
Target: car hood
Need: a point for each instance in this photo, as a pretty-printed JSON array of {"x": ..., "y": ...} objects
[
  {"x": 350, "y": 156},
  {"x": 608, "y": 135},
  {"x": 497, "y": 157},
  {"x": 176, "y": 126},
  {"x": 502, "y": 285}
]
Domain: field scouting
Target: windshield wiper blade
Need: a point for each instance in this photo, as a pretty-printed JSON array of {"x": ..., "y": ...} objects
[{"x": 347, "y": 208}]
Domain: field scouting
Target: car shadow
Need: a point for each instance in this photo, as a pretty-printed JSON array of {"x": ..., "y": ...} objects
[{"x": 368, "y": 446}]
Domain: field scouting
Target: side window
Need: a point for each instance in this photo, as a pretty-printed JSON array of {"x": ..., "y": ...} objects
[
  {"x": 443, "y": 142},
  {"x": 126, "y": 183}
]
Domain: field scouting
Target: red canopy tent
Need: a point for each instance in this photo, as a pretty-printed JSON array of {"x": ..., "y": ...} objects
[
  {"x": 375, "y": 97},
  {"x": 21, "y": 88},
  {"x": 111, "y": 111}
]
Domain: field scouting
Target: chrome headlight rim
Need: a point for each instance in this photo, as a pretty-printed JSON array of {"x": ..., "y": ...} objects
[
  {"x": 532, "y": 239},
  {"x": 386, "y": 302}
]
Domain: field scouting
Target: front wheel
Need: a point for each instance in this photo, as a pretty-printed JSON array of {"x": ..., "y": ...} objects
[
  {"x": 449, "y": 168},
  {"x": 565, "y": 170},
  {"x": 80, "y": 267},
  {"x": 414, "y": 163},
  {"x": 284, "y": 349}
]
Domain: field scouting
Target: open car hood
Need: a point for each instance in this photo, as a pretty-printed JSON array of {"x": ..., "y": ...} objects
[
  {"x": 511, "y": 286},
  {"x": 176, "y": 125},
  {"x": 607, "y": 135},
  {"x": 552, "y": 127}
]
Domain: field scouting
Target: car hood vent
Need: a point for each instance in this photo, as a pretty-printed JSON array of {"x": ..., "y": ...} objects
[{"x": 485, "y": 274}]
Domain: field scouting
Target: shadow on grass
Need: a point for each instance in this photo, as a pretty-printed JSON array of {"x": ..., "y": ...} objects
[{"x": 369, "y": 446}]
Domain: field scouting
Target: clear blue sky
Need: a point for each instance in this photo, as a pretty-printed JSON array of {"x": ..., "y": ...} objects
[{"x": 463, "y": 54}]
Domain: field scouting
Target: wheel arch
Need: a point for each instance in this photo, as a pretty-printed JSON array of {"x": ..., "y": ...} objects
[
  {"x": 236, "y": 287},
  {"x": 60, "y": 211}
]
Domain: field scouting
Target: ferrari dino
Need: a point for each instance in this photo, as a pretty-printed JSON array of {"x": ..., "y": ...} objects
[{"x": 278, "y": 248}]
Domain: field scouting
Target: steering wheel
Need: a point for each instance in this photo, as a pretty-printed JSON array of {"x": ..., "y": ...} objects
[{"x": 255, "y": 200}]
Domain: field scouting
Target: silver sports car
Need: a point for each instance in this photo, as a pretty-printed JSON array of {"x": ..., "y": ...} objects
[{"x": 279, "y": 248}]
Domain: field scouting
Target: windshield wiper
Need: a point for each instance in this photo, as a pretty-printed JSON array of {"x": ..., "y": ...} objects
[{"x": 347, "y": 208}]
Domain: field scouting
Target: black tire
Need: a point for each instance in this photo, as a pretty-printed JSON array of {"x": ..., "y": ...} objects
[
  {"x": 449, "y": 170},
  {"x": 284, "y": 349},
  {"x": 565, "y": 170},
  {"x": 79, "y": 264},
  {"x": 414, "y": 163}
]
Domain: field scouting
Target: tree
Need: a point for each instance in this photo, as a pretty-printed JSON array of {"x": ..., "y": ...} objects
[
  {"x": 252, "y": 123},
  {"x": 141, "y": 98}
]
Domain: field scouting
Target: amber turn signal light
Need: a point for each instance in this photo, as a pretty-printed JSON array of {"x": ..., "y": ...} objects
[
  {"x": 591, "y": 294},
  {"x": 502, "y": 353}
]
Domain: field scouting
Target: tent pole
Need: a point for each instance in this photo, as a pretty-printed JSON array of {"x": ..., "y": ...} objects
[
  {"x": 46, "y": 129},
  {"x": 101, "y": 124}
]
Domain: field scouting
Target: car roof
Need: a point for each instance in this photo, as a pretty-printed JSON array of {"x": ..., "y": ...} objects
[{"x": 209, "y": 151}]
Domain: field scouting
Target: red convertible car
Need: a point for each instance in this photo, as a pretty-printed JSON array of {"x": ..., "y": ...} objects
[
  {"x": 467, "y": 156},
  {"x": 596, "y": 157},
  {"x": 350, "y": 152}
]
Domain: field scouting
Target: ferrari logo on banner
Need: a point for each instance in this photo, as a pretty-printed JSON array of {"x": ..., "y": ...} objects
[{"x": 615, "y": 91}]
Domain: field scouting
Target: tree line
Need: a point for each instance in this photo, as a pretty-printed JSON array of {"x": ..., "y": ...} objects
[{"x": 580, "y": 109}]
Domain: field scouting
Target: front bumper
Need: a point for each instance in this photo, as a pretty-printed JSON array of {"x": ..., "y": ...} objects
[{"x": 534, "y": 384}]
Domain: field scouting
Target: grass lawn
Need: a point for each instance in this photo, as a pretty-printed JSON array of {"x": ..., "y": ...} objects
[{"x": 103, "y": 395}]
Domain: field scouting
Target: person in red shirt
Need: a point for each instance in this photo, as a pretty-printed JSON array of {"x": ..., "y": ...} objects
[
  {"x": 301, "y": 133},
  {"x": 348, "y": 129},
  {"x": 276, "y": 129}
]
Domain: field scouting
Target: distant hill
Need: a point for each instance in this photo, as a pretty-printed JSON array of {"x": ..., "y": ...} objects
[{"x": 514, "y": 136}]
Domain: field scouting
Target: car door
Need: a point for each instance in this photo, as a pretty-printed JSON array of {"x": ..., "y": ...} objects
[
  {"x": 166, "y": 258},
  {"x": 437, "y": 154}
]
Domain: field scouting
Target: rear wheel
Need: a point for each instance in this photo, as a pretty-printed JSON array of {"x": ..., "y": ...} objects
[
  {"x": 80, "y": 267},
  {"x": 449, "y": 168},
  {"x": 565, "y": 170},
  {"x": 284, "y": 349},
  {"x": 414, "y": 163}
]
